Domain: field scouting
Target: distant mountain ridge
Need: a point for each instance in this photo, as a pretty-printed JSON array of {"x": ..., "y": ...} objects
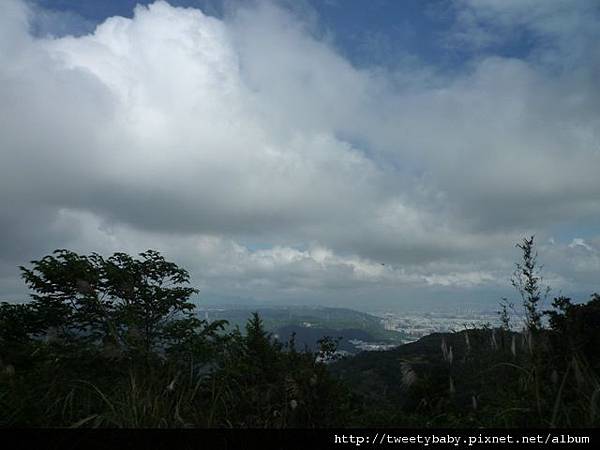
[{"x": 327, "y": 320}]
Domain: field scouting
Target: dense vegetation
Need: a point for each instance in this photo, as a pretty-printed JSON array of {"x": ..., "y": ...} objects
[{"x": 116, "y": 342}]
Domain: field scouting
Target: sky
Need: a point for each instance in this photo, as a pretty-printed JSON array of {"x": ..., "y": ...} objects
[{"x": 378, "y": 155}]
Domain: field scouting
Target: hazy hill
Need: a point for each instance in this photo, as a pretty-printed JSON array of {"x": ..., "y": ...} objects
[
  {"x": 307, "y": 321},
  {"x": 308, "y": 337}
]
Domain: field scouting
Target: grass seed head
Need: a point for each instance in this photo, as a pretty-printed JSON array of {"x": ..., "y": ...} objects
[
  {"x": 513, "y": 346},
  {"x": 9, "y": 370},
  {"x": 409, "y": 377},
  {"x": 451, "y": 388}
]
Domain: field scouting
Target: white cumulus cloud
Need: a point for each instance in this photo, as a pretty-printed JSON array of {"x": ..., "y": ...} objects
[{"x": 252, "y": 152}]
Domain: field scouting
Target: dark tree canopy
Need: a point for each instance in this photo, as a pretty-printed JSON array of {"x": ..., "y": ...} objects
[{"x": 130, "y": 303}]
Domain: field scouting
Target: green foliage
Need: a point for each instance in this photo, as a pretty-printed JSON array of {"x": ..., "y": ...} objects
[
  {"x": 263, "y": 383},
  {"x": 541, "y": 377},
  {"x": 504, "y": 314},
  {"x": 527, "y": 280},
  {"x": 125, "y": 304},
  {"x": 16, "y": 323},
  {"x": 116, "y": 343},
  {"x": 576, "y": 326}
]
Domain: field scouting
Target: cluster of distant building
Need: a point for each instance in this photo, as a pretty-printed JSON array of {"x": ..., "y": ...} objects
[
  {"x": 416, "y": 325},
  {"x": 371, "y": 346}
]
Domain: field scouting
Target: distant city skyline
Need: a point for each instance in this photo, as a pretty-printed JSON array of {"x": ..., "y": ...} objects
[{"x": 376, "y": 155}]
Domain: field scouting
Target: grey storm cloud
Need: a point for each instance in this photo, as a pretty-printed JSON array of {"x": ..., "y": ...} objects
[{"x": 248, "y": 149}]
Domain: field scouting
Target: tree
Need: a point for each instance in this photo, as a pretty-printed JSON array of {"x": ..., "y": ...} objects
[
  {"x": 504, "y": 314},
  {"x": 259, "y": 342},
  {"x": 576, "y": 327},
  {"x": 528, "y": 282},
  {"x": 17, "y": 324},
  {"x": 264, "y": 383},
  {"x": 152, "y": 298},
  {"x": 135, "y": 304}
]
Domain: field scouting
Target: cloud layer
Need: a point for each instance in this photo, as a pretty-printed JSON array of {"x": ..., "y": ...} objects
[{"x": 248, "y": 149}]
